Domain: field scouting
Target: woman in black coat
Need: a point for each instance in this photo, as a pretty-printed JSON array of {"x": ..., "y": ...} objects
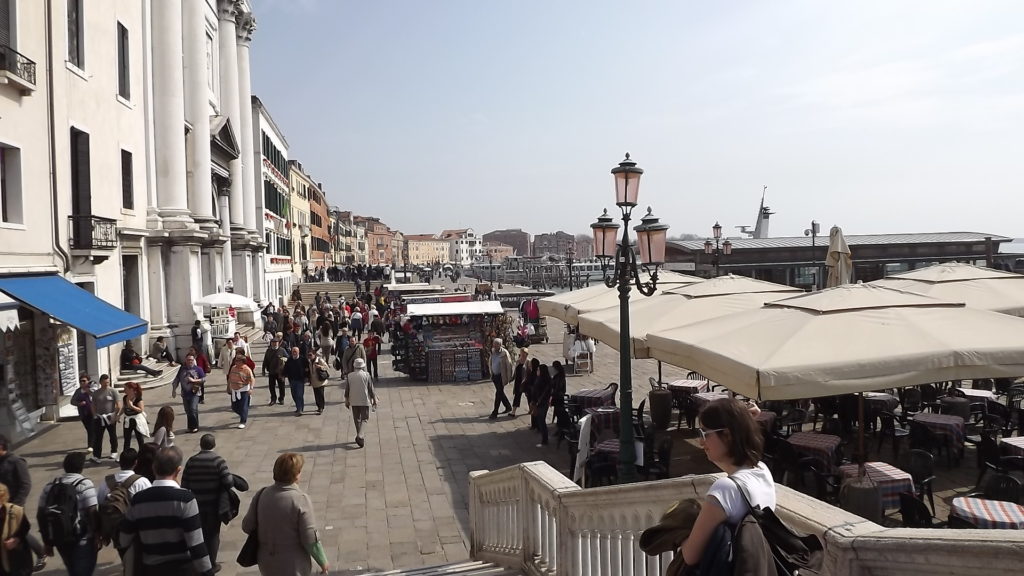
[
  {"x": 558, "y": 396},
  {"x": 542, "y": 388}
]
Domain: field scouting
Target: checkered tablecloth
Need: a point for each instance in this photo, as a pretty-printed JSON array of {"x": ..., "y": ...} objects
[
  {"x": 592, "y": 398},
  {"x": 976, "y": 395},
  {"x": 702, "y": 399},
  {"x": 881, "y": 400},
  {"x": 889, "y": 479},
  {"x": 945, "y": 425},
  {"x": 1013, "y": 446},
  {"x": 766, "y": 419},
  {"x": 988, "y": 513},
  {"x": 816, "y": 444},
  {"x": 604, "y": 419},
  {"x": 688, "y": 386}
]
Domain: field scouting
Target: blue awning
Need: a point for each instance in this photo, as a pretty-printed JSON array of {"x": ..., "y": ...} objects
[{"x": 71, "y": 305}]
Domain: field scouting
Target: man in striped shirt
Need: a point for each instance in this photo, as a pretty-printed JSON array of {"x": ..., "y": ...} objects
[
  {"x": 207, "y": 476},
  {"x": 165, "y": 519}
]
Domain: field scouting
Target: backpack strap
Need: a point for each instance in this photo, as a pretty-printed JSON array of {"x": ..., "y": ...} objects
[
  {"x": 743, "y": 492},
  {"x": 130, "y": 481},
  {"x": 109, "y": 479}
]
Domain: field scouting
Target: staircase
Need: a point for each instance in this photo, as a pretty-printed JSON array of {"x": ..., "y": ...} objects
[
  {"x": 458, "y": 569},
  {"x": 309, "y": 290}
]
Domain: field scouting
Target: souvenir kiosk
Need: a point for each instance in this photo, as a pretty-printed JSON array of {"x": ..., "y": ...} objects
[{"x": 446, "y": 341}]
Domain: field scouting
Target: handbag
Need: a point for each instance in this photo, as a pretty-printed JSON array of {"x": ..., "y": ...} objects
[
  {"x": 322, "y": 374},
  {"x": 249, "y": 554}
]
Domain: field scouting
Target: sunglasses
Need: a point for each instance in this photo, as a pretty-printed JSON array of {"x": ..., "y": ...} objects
[{"x": 705, "y": 433}]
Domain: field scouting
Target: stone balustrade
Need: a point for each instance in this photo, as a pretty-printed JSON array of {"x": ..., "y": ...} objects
[{"x": 533, "y": 518}]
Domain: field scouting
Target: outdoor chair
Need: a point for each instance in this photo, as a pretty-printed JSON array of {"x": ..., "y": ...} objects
[
  {"x": 691, "y": 375},
  {"x": 1002, "y": 385},
  {"x": 795, "y": 418},
  {"x": 958, "y": 523},
  {"x": 826, "y": 482},
  {"x": 922, "y": 438},
  {"x": 1000, "y": 411},
  {"x": 983, "y": 384},
  {"x": 1001, "y": 487},
  {"x": 825, "y": 408},
  {"x": 657, "y": 457},
  {"x": 929, "y": 397},
  {"x": 602, "y": 470},
  {"x": 915, "y": 514},
  {"x": 911, "y": 403},
  {"x": 891, "y": 431},
  {"x": 921, "y": 467},
  {"x": 582, "y": 363},
  {"x": 832, "y": 426}
]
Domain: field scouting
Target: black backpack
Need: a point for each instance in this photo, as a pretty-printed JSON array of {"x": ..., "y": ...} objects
[
  {"x": 60, "y": 520},
  {"x": 114, "y": 508}
]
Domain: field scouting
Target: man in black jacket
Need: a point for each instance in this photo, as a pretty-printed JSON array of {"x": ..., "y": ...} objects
[
  {"x": 273, "y": 364},
  {"x": 296, "y": 370},
  {"x": 14, "y": 474}
]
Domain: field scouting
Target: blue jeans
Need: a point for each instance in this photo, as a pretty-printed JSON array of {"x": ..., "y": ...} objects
[
  {"x": 298, "y": 394},
  {"x": 79, "y": 559},
  {"x": 241, "y": 407},
  {"x": 191, "y": 404}
]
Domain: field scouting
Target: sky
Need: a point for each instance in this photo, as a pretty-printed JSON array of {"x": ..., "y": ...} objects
[{"x": 877, "y": 116}]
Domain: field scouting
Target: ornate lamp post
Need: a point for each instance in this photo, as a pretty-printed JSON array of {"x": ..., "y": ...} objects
[
  {"x": 651, "y": 237},
  {"x": 716, "y": 249},
  {"x": 569, "y": 253},
  {"x": 813, "y": 233}
]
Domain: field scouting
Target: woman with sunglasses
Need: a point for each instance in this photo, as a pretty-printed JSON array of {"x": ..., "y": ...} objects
[{"x": 731, "y": 440}]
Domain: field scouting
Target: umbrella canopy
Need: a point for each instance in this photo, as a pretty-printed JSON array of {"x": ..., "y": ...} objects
[
  {"x": 838, "y": 259},
  {"x": 567, "y": 306},
  {"x": 852, "y": 338},
  {"x": 975, "y": 286},
  {"x": 227, "y": 300},
  {"x": 680, "y": 306}
]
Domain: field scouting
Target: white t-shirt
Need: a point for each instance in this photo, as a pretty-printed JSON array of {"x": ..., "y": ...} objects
[{"x": 758, "y": 484}]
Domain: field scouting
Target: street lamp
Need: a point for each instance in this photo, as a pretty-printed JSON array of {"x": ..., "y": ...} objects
[
  {"x": 813, "y": 233},
  {"x": 651, "y": 236},
  {"x": 570, "y": 251},
  {"x": 716, "y": 249}
]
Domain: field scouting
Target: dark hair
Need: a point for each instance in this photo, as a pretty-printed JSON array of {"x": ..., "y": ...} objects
[
  {"x": 4, "y": 443},
  {"x": 544, "y": 377},
  {"x": 167, "y": 461},
  {"x": 144, "y": 463},
  {"x": 558, "y": 368},
  {"x": 74, "y": 462},
  {"x": 744, "y": 439},
  {"x": 104, "y": 377},
  {"x": 208, "y": 442},
  {"x": 128, "y": 458},
  {"x": 164, "y": 419}
]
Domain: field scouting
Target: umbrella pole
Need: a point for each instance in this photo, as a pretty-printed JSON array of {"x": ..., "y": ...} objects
[
  {"x": 659, "y": 371},
  {"x": 861, "y": 456}
]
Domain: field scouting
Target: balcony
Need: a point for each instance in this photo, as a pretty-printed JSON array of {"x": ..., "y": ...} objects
[
  {"x": 87, "y": 232},
  {"x": 15, "y": 68}
]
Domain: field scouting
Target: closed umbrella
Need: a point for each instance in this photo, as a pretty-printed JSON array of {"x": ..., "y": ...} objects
[
  {"x": 569, "y": 305},
  {"x": 838, "y": 259},
  {"x": 975, "y": 286},
  {"x": 843, "y": 340},
  {"x": 227, "y": 300}
]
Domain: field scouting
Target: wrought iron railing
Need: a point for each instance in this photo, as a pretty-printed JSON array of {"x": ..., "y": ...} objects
[
  {"x": 89, "y": 232},
  {"x": 16, "y": 62}
]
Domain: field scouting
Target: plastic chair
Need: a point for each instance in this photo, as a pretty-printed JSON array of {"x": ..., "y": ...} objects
[
  {"x": 891, "y": 431},
  {"x": 1002, "y": 487},
  {"x": 921, "y": 467},
  {"x": 915, "y": 514}
]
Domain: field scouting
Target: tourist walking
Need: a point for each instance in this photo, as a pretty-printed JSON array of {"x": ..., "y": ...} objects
[
  {"x": 197, "y": 336},
  {"x": 371, "y": 345},
  {"x": 190, "y": 380},
  {"x": 359, "y": 396},
  {"x": 165, "y": 521},
  {"x": 163, "y": 431},
  {"x": 15, "y": 555},
  {"x": 318, "y": 374},
  {"x": 226, "y": 355},
  {"x": 106, "y": 406},
  {"x": 207, "y": 475},
  {"x": 352, "y": 353},
  {"x": 273, "y": 367},
  {"x": 542, "y": 401},
  {"x": 122, "y": 484},
  {"x": 67, "y": 517},
  {"x": 558, "y": 390},
  {"x": 284, "y": 521},
  {"x": 126, "y": 462},
  {"x": 240, "y": 382},
  {"x": 356, "y": 324},
  {"x": 501, "y": 374},
  {"x": 82, "y": 399},
  {"x": 15, "y": 476},
  {"x": 519, "y": 379},
  {"x": 296, "y": 369},
  {"x": 134, "y": 411}
]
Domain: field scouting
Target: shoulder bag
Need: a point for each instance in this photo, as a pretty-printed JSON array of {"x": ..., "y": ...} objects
[{"x": 249, "y": 554}]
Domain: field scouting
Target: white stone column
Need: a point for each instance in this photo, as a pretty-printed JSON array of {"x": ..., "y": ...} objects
[
  {"x": 169, "y": 112},
  {"x": 227, "y": 11},
  {"x": 246, "y": 26},
  {"x": 197, "y": 111},
  {"x": 225, "y": 230}
]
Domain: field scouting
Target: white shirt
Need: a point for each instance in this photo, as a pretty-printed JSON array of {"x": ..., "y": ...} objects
[
  {"x": 758, "y": 484},
  {"x": 120, "y": 476}
]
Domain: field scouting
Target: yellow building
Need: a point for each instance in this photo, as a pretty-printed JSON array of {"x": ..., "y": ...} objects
[
  {"x": 299, "y": 187},
  {"x": 426, "y": 249}
]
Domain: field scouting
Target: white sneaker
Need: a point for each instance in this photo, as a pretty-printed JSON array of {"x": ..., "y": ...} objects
[
  {"x": 240, "y": 426},
  {"x": 113, "y": 455}
]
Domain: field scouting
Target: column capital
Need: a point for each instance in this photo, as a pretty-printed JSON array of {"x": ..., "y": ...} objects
[
  {"x": 245, "y": 25},
  {"x": 228, "y": 10}
]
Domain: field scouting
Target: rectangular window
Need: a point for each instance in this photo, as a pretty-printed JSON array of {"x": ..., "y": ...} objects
[
  {"x": 127, "y": 181},
  {"x": 10, "y": 185},
  {"x": 81, "y": 182},
  {"x": 76, "y": 34},
  {"x": 6, "y": 28},
  {"x": 124, "y": 88}
]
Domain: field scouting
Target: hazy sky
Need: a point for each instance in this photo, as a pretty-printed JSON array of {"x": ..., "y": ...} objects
[{"x": 888, "y": 116}]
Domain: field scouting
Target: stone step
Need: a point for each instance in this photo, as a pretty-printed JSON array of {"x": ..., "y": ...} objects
[{"x": 457, "y": 569}]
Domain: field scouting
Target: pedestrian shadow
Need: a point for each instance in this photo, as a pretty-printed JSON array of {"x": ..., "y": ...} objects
[
  {"x": 468, "y": 419},
  {"x": 322, "y": 447}
]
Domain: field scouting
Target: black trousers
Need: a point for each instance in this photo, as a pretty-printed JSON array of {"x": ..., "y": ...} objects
[
  {"x": 540, "y": 421},
  {"x": 318, "y": 397},
  {"x": 87, "y": 423},
  {"x": 500, "y": 399},
  {"x": 278, "y": 391},
  {"x": 371, "y": 367},
  {"x": 210, "y": 521},
  {"x": 97, "y": 437},
  {"x": 131, "y": 427}
]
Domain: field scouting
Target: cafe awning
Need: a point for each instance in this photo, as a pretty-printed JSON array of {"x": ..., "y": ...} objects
[{"x": 62, "y": 300}]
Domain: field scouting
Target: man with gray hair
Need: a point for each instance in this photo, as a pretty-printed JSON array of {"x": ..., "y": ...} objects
[
  {"x": 501, "y": 374},
  {"x": 359, "y": 396}
]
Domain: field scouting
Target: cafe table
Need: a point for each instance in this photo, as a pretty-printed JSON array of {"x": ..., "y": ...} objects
[
  {"x": 604, "y": 418},
  {"x": 945, "y": 425},
  {"x": 889, "y": 479},
  {"x": 984, "y": 513},
  {"x": 978, "y": 395},
  {"x": 593, "y": 397},
  {"x": 816, "y": 444},
  {"x": 688, "y": 387},
  {"x": 702, "y": 399},
  {"x": 1013, "y": 446},
  {"x": 881, "y": 401}
]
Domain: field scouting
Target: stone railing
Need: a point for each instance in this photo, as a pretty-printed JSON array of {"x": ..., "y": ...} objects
[{"x": 532, "y": 518}]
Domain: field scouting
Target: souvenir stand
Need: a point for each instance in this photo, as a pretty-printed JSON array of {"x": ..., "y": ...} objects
[
  {"x": 395, "y": 294},
  {"x": 446, "y": 341}
]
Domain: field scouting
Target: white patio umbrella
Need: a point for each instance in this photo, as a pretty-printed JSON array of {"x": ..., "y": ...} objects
[
  {"x": 567, "y": 306},
  {"x": 680, "y": 306},
  {"x": 975, "y": 286},
  {"x": 838, "y": 259},
  {"x": 852, "y": 338},
  {"x": 227, "y": 300}
]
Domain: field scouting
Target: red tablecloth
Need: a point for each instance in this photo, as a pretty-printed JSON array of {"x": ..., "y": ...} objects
[
  {"x": 945, "y": 425},
  {"x": 889, "y": 479},
  {"x": 591, "y": 398},
  {"x": 1013, "y": 446},
  {"x": 688, "y": 386},
  {"x": 988, "y": 513},
  {"x": 816, "y": 444}
]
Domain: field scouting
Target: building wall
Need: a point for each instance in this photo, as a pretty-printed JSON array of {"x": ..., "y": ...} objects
[
  {"x": 320, "y": 232},
  {"x": 427, "y": 251},
  {"x": 272, "y": 148},
  {"x": 555, "y": 243},
  {"x": 496, "y": 252},
  {"x": 300, "y": 189},
  {"x": 516, "y": 238}
]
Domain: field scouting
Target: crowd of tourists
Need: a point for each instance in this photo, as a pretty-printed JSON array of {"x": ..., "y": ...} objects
[{"x": 543, "y": 387}]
